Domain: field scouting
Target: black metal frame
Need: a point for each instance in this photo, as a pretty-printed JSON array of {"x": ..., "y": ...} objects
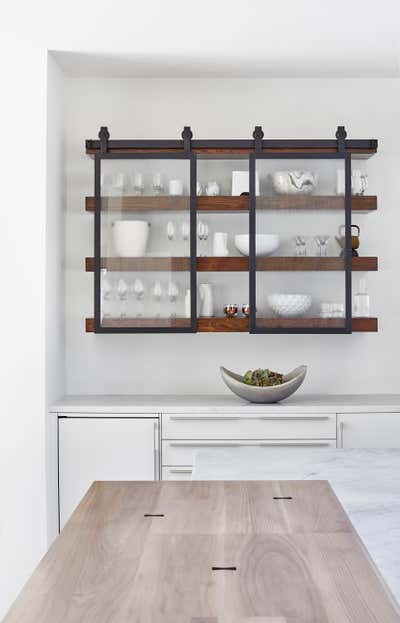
[
  {"x": 339, "y": 155},
  {"x": 105, "y": 155}
]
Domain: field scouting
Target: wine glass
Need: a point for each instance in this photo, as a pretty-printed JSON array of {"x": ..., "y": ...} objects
[
  {"x": 157, "y": 184},
  {"x": 139, "y": 290},
  {"x": 202, "y": 234},
  {"x": 171, "y": 235},
  {"x": 156, "y": 293},
  {"x": 122, "y": 293},
  {"x": 173, "y": 293},
  {"x": 106, "y": 294},
  {"x": 322, "y": 242},
  {"x": 301, "y": 246},
  {"x": 185, "y": 231}
]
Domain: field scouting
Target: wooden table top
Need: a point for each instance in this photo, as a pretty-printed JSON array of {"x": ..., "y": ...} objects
[{"x": 207, "y": 552}]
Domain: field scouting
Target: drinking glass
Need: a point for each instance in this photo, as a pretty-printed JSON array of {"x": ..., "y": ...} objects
[
  {"x": 170, "y": 229},
  {"x": 138, "y": 184},
  {"x": 157, "y": 184},
  {"x": 185, "y": 231},
  {"x": 301, "y": 246},
  {"x": 322, "y": 242},
  {"x": 173, "y": 293},
  {"x": 138, "y": 290},
  {"x": 202, "y": 234},
  {"x": 106, "y": 294},
  {"x": 156, "y": 293},
  {"x": 122, "y": 293}
]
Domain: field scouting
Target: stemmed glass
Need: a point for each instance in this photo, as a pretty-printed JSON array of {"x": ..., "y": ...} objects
[
  {"x": 122, "y": 293},
  {"x": 138, "y": 290},
  {"x": 171, "y": 236},
  {"x": 185, "y": 231},
  {"x": 202, "y": 234},
  {"x": 301, "y": 246},
  {"x": 156, "y": 293},
  {"x": 322, "y": 242},
  {"x": 106, "y": 294},
  {"x": 173, "y": 293}
]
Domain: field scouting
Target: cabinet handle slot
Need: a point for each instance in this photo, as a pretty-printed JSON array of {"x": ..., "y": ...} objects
[
  {"x": 299, "y": 444},
  {"x": 201, "y": 418},
  {"x": 181, "y": 471},
  {"x": 223, "y": 568},
  {"x": 282, "y": 497},
  {"x": 154, "y": 515},
  {"x": 204, "y": 444}
]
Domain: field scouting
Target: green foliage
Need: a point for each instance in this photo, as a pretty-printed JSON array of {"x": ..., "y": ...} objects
[{"x": 263, "y": 378}]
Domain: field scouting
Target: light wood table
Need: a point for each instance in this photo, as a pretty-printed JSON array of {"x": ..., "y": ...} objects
[{"x": 207, "y": 552}]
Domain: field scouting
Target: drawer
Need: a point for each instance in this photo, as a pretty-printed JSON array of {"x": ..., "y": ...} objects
[
  {"x": 177, "y": 473},
  {"x": 206, "y": 426},
  {"x": 182, "y": 452}
]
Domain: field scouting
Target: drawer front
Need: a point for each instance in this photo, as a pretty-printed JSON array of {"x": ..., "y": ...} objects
[
  {"x": 177, "y": 473},
  {"x": 182, "y": 452},
  {"x": 206, "y": 426}
]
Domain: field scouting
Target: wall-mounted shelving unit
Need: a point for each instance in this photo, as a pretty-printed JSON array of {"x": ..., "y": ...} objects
[{"x": 183, "y": 159}]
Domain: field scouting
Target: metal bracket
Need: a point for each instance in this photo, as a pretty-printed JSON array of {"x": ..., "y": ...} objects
[
  {"x": 104, "y": 135},
  {"x": 258, "y": 136},
  {"x": 187, "y": 136},
  {"x": 341, "y": 138}
]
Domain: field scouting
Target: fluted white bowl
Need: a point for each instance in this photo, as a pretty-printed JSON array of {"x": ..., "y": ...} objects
[
  {"x": 265, "y": 243},
  {"x": 290, "y": 305},
  {"x": 130, "y": 238}
]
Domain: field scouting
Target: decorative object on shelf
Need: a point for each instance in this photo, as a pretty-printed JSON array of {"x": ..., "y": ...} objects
[
  {"x": 199, "y": 189},
  {"x": 122, "y": 293},
  {"x": 355, "y": 240},
  {"x": 301, "y": 246},
  {"x": 246, "y": 310},
  {"x": 240, "y": 183},
  {"x": 322, "y": 243},
  {"x": 265, "y": 244},
  {"x": 172, "y": 294},
  {"x": 361, "y": 307},
  {"x": 230, "y": 310},
  {"x": 202, "y": 234},
  {"x": 332, "y": 310},
  {"x": 175, "y": 187},
  {"x": 206, "y": 300},
  {"x": 130, "y": 237},
  {"x": 158, "y": 186},
  {"x": 294, "y": 182},
  {"x": 220, "y": 244},
  {"x": 274, "y": 393},
  {"x": 212, "y": 189},
  {"x": 290, "y": 305},
  {"x": 340, "y": 181},
  {"x": 359, "y": 182},
  {"x": 156, "y": 293},
  {"x": 138, "y": 184}
]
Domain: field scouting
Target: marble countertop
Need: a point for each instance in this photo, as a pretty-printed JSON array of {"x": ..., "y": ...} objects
[
  {"x": 367, "y": 483},
  {"x": 225, "y": 403}
]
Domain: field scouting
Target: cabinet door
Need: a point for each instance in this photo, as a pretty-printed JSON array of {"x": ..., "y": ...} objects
[
  {"x": 369, "y": 430},
  {"x": 106, "y": 448}
]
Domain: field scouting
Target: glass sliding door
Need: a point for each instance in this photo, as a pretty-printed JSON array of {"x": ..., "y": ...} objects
[
  {"x": 145, "y": 243},
  {"x": 300, "y": 243}
]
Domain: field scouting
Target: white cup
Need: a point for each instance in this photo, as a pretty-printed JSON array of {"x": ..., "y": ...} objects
[
  {"x": 175, "y": 187},
  {"x": 220, "y": 244}
]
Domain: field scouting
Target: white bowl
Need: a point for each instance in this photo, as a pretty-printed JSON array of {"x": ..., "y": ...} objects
[
  {"x": 265, "y": 243},
  {"x": 130, "y": 238},
  {"x": 290, "y": 305}
]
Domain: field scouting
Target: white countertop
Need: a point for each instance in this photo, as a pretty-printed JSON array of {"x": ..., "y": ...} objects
[
  {"x": 367, "y": 483},
  {"x": 224, "y": 403}
]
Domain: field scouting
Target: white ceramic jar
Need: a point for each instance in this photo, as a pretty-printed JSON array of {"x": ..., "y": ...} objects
[{"x": 130, "y": 238}]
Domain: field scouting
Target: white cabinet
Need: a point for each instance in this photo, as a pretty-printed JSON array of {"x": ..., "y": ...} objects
[
  {"x": 103, "y": 448},
  {"x": 368, "y": 430}
]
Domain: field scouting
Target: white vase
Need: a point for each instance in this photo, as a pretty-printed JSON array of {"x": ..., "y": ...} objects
[
  {"x": 188, "y": 306},
  {"x": 206, "y": 300},
  {"x": 130, "y": 238},
  {"x": 220, "y": 244}
]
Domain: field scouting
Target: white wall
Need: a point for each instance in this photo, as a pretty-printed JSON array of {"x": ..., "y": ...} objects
[
  {"x": 229, "y": 109},
  {"x": 22, "y": 309},
  {"x": 55, "y": 300}
]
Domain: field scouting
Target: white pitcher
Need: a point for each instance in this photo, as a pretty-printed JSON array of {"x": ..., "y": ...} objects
[{"x": 206, "y": 300}]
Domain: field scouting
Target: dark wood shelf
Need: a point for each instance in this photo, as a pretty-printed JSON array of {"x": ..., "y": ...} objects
[
  {"x": 232, "y": 264},
  {"x": 239, "y": 324},
  {"x": 227, "y": 203}
]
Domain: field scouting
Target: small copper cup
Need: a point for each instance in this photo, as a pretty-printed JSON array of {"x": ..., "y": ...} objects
[
  {"x": 230, "y": 310},
  {"x": 246, "y": 310}
]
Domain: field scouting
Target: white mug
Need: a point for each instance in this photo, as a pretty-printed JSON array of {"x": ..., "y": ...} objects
[
  {"x": 175, "y": 187},
  {"x": 220, "y": 244}
]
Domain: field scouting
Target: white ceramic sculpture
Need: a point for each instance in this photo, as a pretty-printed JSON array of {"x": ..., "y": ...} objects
[{"x": 294, "y": 182}]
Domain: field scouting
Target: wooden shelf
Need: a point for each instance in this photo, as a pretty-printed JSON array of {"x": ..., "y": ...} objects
[
  {"x": 240, "y": 324},
  {"x": 232, "y": 264},
  {"x": 226, "y": 203}
]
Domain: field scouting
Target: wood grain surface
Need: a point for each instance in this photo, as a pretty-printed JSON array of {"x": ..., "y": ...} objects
[{"x": 289, "y": 551}]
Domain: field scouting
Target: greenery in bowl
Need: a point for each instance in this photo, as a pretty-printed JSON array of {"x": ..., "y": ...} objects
[{"x": 263, "y": 378}]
